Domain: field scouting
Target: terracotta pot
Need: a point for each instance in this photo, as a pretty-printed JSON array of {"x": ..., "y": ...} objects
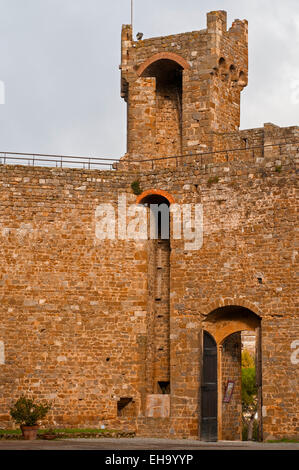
[
  {"x": 29, "y": 432},
  {"x": 48, "y": 437}
]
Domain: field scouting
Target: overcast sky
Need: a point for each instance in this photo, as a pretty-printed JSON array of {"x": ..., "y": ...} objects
[{"x": 59, "y": 61}]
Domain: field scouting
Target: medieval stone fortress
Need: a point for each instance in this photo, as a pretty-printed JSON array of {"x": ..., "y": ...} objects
[{"x": 146, "y": 334}]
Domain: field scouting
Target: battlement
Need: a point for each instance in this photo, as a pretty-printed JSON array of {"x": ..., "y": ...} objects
[{"x": 216, "y": 24}]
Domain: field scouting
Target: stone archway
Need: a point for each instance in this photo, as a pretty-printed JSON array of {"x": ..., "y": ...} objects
[
  {"x": 225, "y": 324},
  {"x": 171, "y": 56}
]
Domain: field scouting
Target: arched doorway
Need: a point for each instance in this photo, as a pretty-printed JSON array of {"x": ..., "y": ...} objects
[{"x": 225, "y": 325}]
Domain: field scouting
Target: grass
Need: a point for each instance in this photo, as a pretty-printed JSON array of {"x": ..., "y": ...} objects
[
  {"x": 10, "y": 431},
  {"x": 280, "y": 441},
  {"x": 75, "y": 431},
  {"x": 18, "y": 432},
  {"x": 67, "y": 433}
]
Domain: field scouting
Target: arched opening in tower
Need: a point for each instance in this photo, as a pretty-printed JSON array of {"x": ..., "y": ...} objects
[{"x": 169, "y": 85}]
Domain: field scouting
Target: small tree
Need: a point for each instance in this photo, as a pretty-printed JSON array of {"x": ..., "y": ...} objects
[
  {"x": 25, "y": 411},
  {"x": 249, "y": 392},
  {"x": 247, "y": 359}
]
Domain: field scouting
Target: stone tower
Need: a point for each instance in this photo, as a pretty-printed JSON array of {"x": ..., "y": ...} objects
[{"x": 182, "y": 89}]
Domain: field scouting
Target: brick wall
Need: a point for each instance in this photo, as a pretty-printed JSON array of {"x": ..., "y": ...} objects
[{"x": 75, "y": 310}]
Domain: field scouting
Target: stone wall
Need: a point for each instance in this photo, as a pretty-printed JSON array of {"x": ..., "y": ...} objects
[
  {"x": 248, "y": 342},
  {"x": 75, "y": 310}
]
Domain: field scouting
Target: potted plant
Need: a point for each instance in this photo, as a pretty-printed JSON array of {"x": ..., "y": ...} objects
[{"x": 27, "y": 413}]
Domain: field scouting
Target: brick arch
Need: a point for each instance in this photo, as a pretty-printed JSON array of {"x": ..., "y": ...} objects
[
  {"x": 221, "y": 328},
  {"x": 156, "y": 192},
  {"x": 163, "y": 55}
]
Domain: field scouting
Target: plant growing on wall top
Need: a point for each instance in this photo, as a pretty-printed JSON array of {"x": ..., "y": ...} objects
[
  {"x": 136, "y": 188},
  {"x": 213, "y": 180}
]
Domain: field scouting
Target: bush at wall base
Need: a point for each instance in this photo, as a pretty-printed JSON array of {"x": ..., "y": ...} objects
[{"x": 27, "y": 413}]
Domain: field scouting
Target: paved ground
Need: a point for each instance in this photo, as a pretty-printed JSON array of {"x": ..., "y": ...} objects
[{"x": 140, "y": 444}]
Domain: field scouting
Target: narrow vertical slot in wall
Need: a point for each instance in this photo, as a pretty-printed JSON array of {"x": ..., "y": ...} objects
[{"x": 158, "y": 369}]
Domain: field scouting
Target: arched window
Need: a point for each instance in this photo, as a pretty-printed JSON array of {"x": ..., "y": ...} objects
[{"x": 159, "y": 215}]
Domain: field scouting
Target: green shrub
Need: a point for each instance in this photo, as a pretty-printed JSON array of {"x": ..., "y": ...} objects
[
  {"x": 247, "y": 359},
  {"x": 249, "y": 397},
  {"x": 136, "y": 188},
  {"x": 26, "y": 411},
  {"x": 213, "y": 180},
  {"x": 249, "y": 389}
]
